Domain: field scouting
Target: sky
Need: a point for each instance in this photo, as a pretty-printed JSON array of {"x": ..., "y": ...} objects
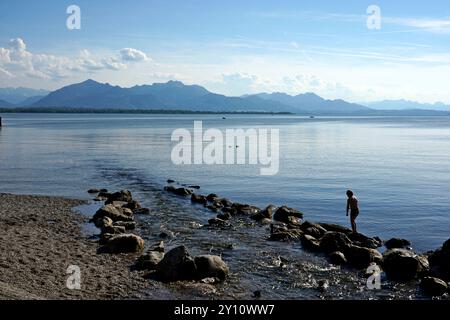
[{"x": 336, "y": 49}]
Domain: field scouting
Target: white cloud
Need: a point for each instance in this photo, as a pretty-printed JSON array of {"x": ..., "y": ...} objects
[
  {"x": 433, "y": 25},
  {"x": 16, "y": 61},
  {"x": 130, "y": 54}
]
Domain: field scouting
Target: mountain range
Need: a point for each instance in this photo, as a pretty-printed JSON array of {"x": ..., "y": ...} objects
[
  {"x": 406, "y": 105},
  {"x": 174, "y": 95}
]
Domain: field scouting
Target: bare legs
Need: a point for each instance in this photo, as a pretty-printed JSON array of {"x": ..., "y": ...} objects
[{"x": 352, "y": 220}]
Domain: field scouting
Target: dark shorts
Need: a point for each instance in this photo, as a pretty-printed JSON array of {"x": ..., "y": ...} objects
[{"x": 354, "y": 214}]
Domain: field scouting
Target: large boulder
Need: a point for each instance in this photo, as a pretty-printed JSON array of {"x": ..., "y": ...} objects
[
  {"x": 103, "y": 222},
  {"x": 212, "y": 197},
  {"x": 440, "y": 261},
  {"x": 364, "y": 241},
  {"x": 335, "y": 228},
  {"x": 334, "y": 241},
  {"x": 404, "y": 265},
  {"x": 313, "y": 229},
  {"x": 286, "y": 235},
  {"x": 128, "y": 225},
  {"x": 397, "y": 243},
  {"x": 196, "y": 198},
  {"x": 184, "y": 192},
  {"x": 245, "y": 209},
  {"x": 149, "y": 261},
  {"x": 433, "y": 286},
  {"x": 287, "y": 215},
  {"x": 176, "y": 265},
  {"x": 113, "y": 229},
  {"x": 361, "y": 257},
  {"x": 124, "y": 243},
  {"x": 211, "y": 266},
  {"x": 337, "y": 258},
  {"x": 310, "y": 243},
  {"x": 266, "y": 213},
  {"x": 114, "y": 213},
  {"x": 122, "y": 195}
]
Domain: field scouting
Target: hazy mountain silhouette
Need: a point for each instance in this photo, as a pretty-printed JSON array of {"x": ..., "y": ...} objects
[
  {"x": 407, "y": 105},
  {"x": 176, "y": 95},
  {"x": 19, "y": 96}
]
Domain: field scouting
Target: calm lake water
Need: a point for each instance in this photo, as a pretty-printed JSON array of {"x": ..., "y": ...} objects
[{"x": 399, "y": 167}]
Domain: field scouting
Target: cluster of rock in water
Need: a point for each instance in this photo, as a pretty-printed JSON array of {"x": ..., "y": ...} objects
[
  {"x": 342, "y": 247},
  {"x": 116, "y": 222}
]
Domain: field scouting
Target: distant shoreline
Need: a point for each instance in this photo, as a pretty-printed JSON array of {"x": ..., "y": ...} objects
[
  {"x": 372, "y": 113},
  {"x": 130, "y": 111}
]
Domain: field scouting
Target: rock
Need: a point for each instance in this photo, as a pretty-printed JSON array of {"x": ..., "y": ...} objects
[
  {"x": 225, "y": 202},
  {"x": 440, "y": 261},
  {"x": 93, "y": 191},
  {"x": 286, "y": 235},
  {"x": 141, "y": 211},
  {"x": 118, "y": 204},
  {"x": 310, "y": 243},
  {"x": 127, "y": 212},
  {"x": 361, "y": 257},
  {"x": 184, "y": 192},
  {"x": 149, "y": 261},
  {"x": 104, "y": 195},
  {"x": 199, "y": 199},
  {"x": 217, "y": 222},
  {"x": 231, "y": 211},
  {"x": 115, "y": 214},
  {"x": 212, "y": 197},
  {"x": 404, "y": 265},
  {"x": 128, "y": 225},
  {"x": 194, "y": 187},
  {"x": 133, "y": 205},
  {"x": 167, "y": 234},
  {"x": 287, "y": 215},
  {"x": 267, "y": 213},
  {"x": 217, "y": 204},
  {"x": 335, "y": 228},
  {"x": 104, "y": 238},
  {"x": 265, "y": 221},
  {"x": 337, "y": 258},
  {"x": 103, "y": 222},
  {"x": 113, "y": 229},
  {"x": 170, "y": 181},
  {"x": 433, "y": 286},
  {"x": 122, "y": 195},
  {"x": 224, "y": 216},
  {"x": 176, "y": 265},
  {"x": 257, "y": 294},
  {"x": 124, "y": 243},
  {"x": 323, "y": 285},
  {"x": 363, "y": 241},
  {"x": 245, "y": 209},
  {"x": 213, "y": 208},
  {"x": 334, "y": 241},
  {"x": 313, "y": 229},
  {"x": 158, "y": 246},
  {"x": 211, "y": 266},
  {"x": 397, "y": 243}
]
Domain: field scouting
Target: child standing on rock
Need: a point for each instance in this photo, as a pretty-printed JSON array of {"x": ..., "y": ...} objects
[{"x": 352, "y": 205}]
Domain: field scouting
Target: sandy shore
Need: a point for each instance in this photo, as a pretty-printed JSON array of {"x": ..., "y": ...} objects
[{"x": 40, "y": 237}]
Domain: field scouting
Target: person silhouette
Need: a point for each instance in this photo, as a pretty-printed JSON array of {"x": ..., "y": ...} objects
[{"x": 352, "y": 205}]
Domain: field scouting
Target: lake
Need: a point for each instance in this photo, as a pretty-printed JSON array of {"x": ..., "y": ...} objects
[{"x": 398, "y": 167}]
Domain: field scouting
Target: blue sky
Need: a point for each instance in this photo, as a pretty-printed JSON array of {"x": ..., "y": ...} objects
[{"x": 233, "y": 47}]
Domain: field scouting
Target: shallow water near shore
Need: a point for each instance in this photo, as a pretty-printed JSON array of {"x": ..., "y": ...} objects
[{"x": 398, "y": 167}]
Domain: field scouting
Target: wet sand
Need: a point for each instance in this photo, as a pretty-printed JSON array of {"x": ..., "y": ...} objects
[{"x": 40, "y": 237}]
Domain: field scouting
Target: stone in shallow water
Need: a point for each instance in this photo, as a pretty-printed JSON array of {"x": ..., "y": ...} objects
[{"x": 433, "y": 286}]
